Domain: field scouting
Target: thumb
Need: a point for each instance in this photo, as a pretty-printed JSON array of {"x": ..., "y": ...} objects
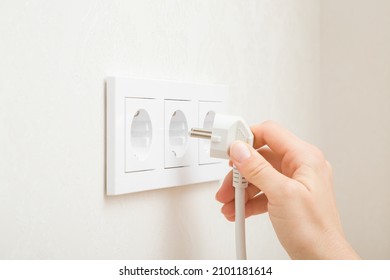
[{"x": 256, "y": 169}]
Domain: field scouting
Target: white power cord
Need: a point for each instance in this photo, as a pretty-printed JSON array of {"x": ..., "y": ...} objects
[
  {"x": 240, "y": 184},
  {"x": 227, "y": 129}
]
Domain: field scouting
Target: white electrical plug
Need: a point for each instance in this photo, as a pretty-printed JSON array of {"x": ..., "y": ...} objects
[{"x": 227, "y": 129}]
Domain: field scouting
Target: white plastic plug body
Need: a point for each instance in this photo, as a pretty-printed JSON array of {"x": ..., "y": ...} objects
[{"x": 227, "y": 129}]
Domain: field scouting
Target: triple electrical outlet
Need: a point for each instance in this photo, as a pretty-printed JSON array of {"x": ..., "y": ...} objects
[{"x": 148, "y": 146}]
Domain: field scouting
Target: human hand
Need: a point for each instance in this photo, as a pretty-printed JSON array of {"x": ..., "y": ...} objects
[{"x": 291, "y": 180}]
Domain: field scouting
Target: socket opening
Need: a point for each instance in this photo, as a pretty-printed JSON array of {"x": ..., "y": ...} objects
[
  {"x": 141, "y": 134},
  {"x": 178, "y": 134}
]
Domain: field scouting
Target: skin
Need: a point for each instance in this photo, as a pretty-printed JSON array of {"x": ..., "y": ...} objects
[{"x": 291, "y": 180}]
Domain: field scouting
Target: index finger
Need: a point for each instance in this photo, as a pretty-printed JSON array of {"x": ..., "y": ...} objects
[{"x": 278, "y": 139}]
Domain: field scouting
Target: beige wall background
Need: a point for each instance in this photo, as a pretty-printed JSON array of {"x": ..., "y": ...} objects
[
  {"x": 355, "y": 103},
  {"x": 55, "y": 56}
]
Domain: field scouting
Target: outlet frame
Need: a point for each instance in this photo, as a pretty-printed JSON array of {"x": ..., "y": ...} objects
[{"x": 120, "y": 89}]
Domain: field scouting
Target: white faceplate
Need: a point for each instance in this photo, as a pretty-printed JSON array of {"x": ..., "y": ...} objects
[{"x": 147, "y": 134}]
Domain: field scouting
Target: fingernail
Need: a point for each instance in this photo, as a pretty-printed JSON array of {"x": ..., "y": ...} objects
[{"x": 239, "y": 152}]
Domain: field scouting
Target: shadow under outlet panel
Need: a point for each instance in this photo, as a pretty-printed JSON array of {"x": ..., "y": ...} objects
[{"x": 148, "y": 145}]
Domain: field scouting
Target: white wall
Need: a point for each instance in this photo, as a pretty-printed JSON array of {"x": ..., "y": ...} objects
[
  {"x": 355, "y": 98},
  {"x": 55, "y": 56}
]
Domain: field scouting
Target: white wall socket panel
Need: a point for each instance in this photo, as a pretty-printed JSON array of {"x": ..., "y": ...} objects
[{"x": 148, "y": 145}]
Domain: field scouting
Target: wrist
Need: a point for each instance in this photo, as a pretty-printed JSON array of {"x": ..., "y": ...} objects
[{"x": 334, "y": 246}]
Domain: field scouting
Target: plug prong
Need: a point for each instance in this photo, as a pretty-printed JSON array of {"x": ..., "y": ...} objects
[{"x": 200, "y": 133}]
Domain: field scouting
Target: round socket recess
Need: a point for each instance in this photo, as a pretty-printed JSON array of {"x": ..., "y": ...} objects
[
  {"x": 178, "y": 134},
  {"x": 141, "y": 134}
]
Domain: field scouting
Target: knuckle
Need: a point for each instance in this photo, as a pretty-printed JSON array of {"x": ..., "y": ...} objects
[
  {"x": 329, "y": 169},
  {"x": 329, "y": 166},
  {"x": 256, "y": 172},
  {"x": 269, "y": 124},
  {"x": 315, "y": 158},
  {"x": 289, "y": 189}
]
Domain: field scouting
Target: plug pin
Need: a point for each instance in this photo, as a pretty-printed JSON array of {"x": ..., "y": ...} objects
[{"x": 200, "y": 133}]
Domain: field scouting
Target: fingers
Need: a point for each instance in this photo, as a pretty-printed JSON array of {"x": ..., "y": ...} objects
[
  {"x": 226, "y": 193},
  {"x": 255, "y": 206},
  {"x": 279, "y": 139},
  {"x": 250, "y": 192},
  {"x": 257, "y": 170},
  {"x": 274, "y": 159},
  {"x": 293, "y": 151}
]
